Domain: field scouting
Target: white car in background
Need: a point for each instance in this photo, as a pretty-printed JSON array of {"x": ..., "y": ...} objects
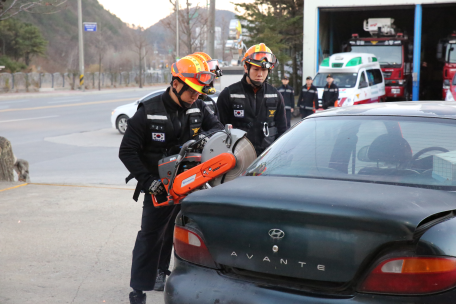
[{"x": 120, "y": 115}]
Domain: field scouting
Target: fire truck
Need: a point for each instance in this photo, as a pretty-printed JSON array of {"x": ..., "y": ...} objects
[
  {"x": 394, "y": 52},
  {"x": 446, "y": 52}
]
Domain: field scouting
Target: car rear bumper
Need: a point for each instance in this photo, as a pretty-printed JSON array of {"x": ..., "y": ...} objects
[
  {"x": 394, "y": 91},
  {"x": 191, "y": 284}
]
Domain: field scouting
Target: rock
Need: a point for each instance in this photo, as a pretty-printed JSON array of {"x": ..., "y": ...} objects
[{"x": 7, "y": 160}]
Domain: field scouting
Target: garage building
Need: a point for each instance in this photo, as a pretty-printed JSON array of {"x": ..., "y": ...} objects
[{"x": 329, "y": 24}]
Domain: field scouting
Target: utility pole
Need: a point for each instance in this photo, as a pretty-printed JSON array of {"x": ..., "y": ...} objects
[
  {"x": 211, "y": 32},
  {"x": 81, "y": 48},
  {"x": 177, "y": 29}
]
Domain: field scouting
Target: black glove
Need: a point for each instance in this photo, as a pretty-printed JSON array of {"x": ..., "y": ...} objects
[{"x": 157, "y": 188}]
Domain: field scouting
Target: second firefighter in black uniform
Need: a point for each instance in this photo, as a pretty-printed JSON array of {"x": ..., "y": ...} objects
[
  {"x": 288, "y": 99},
  {"x": 308, "y": 99},
  {"x": 330, "y": 93},
  {"x": 252, "y": 104}
]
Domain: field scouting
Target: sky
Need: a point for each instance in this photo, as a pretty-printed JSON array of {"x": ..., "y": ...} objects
[{"x": 148, "y": 12}]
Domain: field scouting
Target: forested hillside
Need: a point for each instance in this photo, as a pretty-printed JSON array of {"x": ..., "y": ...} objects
[
  {"x": 57, "y": 39},
  {"x": 61, "y": 32}
]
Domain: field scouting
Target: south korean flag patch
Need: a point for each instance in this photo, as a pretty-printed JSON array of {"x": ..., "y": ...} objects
[
  {"x": 158, "y": 137},
  {"x": 238, "y": 113}
]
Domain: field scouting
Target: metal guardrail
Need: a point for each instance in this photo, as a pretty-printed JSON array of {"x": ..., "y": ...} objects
[{"x": 29, "y": 82}]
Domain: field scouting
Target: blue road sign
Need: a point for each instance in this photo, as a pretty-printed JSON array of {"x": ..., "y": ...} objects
[{"x": 90, "y": 26}]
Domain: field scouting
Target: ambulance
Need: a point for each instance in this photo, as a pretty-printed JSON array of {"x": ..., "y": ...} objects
[{"x": 357, "y": 75}]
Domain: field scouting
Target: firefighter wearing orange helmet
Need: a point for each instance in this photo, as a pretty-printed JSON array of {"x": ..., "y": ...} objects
[
  {"x": 214, "y": 68},
  {"x": 252, "y": 104},
  {"x": 160, "y": 126}
]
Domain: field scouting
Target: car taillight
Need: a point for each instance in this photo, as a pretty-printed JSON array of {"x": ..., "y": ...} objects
[
  {"x": 411, "y": 275},
  {"x": 189, "y": 246}
]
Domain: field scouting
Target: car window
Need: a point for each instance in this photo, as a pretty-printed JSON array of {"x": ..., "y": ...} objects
[
  {"x": 362, "y": 78},
  {"x": 374, "y": 76},
  {"x": 454, "y": 80},
  {"x": 394, "y": 150},
  {"x": 342, "y": 80}
]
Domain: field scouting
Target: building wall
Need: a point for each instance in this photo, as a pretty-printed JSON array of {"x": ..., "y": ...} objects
[{"x": 311, "y": 22}]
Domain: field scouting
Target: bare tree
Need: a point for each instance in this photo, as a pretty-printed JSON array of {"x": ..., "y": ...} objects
[
  {"x": 225, "y": 25},
  {"x": 141, "y": 49},
  {"x": 14, "y": 7},
  {"x": 189, "y": 20}
]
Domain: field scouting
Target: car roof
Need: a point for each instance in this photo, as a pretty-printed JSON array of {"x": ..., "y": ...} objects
[{"x": 443, "y": 109}]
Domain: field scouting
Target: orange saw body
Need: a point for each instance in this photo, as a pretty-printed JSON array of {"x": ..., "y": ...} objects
[
  {"x": 196, "y": 177},
  {"x": 222, "y": 158}
]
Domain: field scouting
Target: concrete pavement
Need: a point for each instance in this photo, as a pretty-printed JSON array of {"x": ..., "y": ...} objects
[{"x": 67, "y": 244}]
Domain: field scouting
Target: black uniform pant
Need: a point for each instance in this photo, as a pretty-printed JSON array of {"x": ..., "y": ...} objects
[
  {"x": 305, "y": 113},
  {"x": 288, "y": 115},
  {"x": 153, "y": 245}
]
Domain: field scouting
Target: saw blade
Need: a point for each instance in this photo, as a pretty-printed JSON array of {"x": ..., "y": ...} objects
[{"x": 245, "y": 155}]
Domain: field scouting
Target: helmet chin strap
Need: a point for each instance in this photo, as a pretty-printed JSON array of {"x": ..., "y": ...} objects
[
  {"x": 182, "y": 103},
  {"x": 254, "y": 83}
]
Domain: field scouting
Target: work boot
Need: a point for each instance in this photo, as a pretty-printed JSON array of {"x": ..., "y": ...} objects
[
  {"x": 160, "y": 281},
  {"x": 137, "y": 297}
]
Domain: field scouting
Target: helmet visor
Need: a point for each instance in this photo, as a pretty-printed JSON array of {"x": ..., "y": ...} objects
[
  {"x": 202, "y": 77},
  {"x": 263, "y": 56},
  {"x": 213, "y": 65}
]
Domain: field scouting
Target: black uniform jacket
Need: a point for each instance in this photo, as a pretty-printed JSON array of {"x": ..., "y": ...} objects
[
  {"x": 330, "y": 95},
  {"x": 138, "y": 138},
  {"x": 308, "y": 99},
  {"x": 288, "y": 96},
  {"x": 255, "y": 101},
  {"x": 210, "y": 103}
]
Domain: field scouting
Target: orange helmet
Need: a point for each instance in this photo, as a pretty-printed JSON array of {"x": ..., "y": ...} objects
[
  {"x": 213, "y": 63},
  {"x": 260, "y": 55},
  {"x": 194, "y": 72}
]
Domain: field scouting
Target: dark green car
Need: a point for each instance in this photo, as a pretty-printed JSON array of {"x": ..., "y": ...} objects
[{"x": 352, "y": 205}]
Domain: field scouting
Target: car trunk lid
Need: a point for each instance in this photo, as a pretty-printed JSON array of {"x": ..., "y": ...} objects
[{"x": 308, "y": 228}]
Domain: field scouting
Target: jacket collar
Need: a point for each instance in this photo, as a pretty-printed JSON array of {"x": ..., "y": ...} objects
[{"x": 249, "y": 86}]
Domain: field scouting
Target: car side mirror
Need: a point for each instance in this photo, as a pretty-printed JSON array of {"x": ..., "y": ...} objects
[
  {"x": 363, "y": 84},
  {"x": 362, "y": 154}
]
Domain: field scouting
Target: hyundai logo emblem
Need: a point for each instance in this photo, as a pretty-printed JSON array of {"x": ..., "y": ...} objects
[{"x": 276, "y": 233}]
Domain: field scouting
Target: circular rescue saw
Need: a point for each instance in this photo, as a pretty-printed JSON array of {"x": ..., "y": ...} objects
[{"x": 225, "y": 156}]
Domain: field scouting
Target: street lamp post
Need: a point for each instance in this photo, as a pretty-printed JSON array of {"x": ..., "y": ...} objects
[
  {"x": 211, "y": 32},
  {"x": 81, "y": 48},
  {"x": 177, "y": 29}
]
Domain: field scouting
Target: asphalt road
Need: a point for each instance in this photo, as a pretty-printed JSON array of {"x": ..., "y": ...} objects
[{"x": 68, "y": 139}]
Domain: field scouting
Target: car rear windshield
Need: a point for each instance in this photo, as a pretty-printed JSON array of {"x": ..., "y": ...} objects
[{"x": 385, "y": 149}]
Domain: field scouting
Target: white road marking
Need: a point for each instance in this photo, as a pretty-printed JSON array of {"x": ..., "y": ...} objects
[
  {"x": 66, "y": 100},
  {"x": 13, "y": 120}
]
